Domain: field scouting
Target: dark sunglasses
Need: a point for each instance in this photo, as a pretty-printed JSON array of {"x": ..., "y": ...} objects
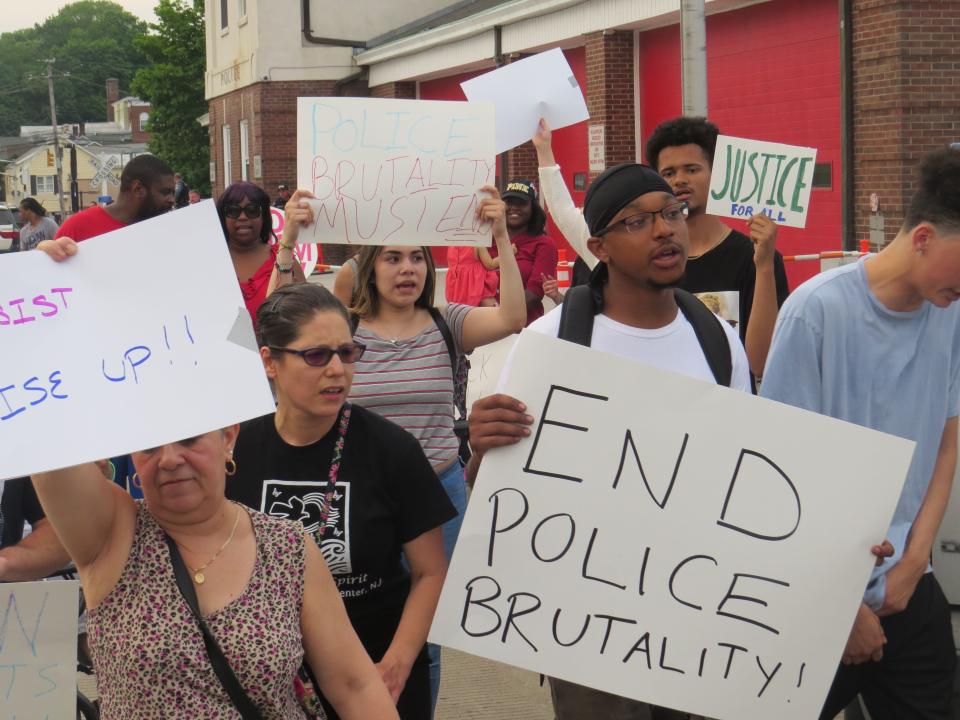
[
  {"x": 322, "y": 355},
  {"x": 234, "y": 211}
]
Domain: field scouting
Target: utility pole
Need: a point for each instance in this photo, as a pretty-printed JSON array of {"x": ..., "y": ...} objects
[
  {"x": 693, "y": 31},
  {"x": 58, "y": 185}
]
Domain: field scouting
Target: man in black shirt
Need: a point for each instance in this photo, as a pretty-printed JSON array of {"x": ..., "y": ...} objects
[
  {"x": 38, "y": 554},
  {"x": 721, "y": 258}
]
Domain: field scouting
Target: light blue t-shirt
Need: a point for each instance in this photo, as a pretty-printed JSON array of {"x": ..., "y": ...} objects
[{"x": 839, "y": 352}]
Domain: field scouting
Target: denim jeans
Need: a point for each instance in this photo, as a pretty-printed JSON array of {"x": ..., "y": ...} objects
[{"x": 455, "y": 484}]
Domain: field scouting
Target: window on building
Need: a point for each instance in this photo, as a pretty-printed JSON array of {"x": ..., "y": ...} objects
[
  {"x": 823, "y": 176},
  {"x": 244, "y": 150},
  {"x": 224, "y": 4},
  {"x": 46, "y": 184},
  {"x": 144, "y": 117},
  {"x": 242, "y": 7},
  {"x": 227, "y": 157}
]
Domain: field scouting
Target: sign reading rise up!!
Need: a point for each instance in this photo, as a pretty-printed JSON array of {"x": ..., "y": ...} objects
[
  {"x": 750, "y": 177},
  {"x": 668, "y": 539},
  {"x": 398, "y": 172}
]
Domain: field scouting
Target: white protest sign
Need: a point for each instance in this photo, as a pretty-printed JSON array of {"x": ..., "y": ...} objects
[
  {"x": 38, "y": 649},
  {"x": 751, "y": 177},
  {"x": 668, "y": 539},
  {"x": 539, "y": 86},
  {"x": 100, "y": 359},
  {"x": 398, "y": 172},
  {"x": 486, "y": 363},
  {"x": 307, "y": 253}
]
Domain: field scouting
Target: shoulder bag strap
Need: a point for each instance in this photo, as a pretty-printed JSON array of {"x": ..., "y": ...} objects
[
  {"x": 710, "y": 333},
  {"x": 576, "y": 315},
  {"x": 225, "y": 674},
  {"x": 444, "y": 329}
]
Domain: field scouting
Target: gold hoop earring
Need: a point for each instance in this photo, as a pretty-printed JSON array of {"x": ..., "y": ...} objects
[
  {"x": 136, "y": 481},
  {"x": 231, "y": 468}
]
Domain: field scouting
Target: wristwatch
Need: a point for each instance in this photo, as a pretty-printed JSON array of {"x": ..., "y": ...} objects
[{"x": 285, "y": 269}]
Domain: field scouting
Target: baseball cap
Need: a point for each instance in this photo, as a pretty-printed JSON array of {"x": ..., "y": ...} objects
[{"x": 520, "y": 189}]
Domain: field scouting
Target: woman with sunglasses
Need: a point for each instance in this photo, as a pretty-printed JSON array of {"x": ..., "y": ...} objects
[
  {"x": 244, "y": 210},
  {"x": 361, "y": 486},
  {"x": 261, "y": 586}
]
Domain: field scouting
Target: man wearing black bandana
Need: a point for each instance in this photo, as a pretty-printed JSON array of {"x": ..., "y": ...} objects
[{"x": 638, "y": 232}]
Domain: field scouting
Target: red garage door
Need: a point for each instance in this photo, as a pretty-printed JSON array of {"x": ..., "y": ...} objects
[{"x": 773, "y": 74}]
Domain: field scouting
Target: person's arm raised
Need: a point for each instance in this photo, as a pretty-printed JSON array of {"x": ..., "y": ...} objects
[
  {"x": 343, "y": 284},
  {"x": 347, "y": 676},
  {"x": 35, "y": 557},
  {"x": 556, "y": 194},
  {"x": 486, "y": 325},
  {"x": 763, "y": 311},
  {"x": 297, "y": 215}
]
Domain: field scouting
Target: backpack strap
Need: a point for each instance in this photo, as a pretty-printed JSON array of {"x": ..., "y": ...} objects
[
  {"x": 713, "y": 339},
  {"x": 576, "y": 315},
  {"x": 444, "y": 329}
]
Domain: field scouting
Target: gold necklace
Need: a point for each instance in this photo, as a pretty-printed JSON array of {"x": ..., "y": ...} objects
[{"x": 198, "y": 577}]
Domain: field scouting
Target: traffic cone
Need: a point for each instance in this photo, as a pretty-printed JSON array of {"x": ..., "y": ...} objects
[{"x": 563, "y": 270}]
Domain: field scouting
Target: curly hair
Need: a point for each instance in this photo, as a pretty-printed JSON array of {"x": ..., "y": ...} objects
[
  {"x": 682, "y": 131},
  {"x": 237, "y": 193},
  {"x": 937, "y": 199}
]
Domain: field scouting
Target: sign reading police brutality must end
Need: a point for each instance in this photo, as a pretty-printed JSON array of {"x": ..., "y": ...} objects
[
  {"x": 38, "y": 650},
  {"x": 750, "y": 177},
  {"x": 397, "y": 172},
  {"x": 140, "y": 339},
  {"x": 669, "y": 540}
]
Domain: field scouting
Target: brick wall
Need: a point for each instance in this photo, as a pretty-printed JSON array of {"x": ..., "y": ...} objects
[
  {"x": 906, "y": 88},
  {"x": 138, "y": 135},
  {"x": 610, "y": 92},
  {"x": 398, "y": 90}
]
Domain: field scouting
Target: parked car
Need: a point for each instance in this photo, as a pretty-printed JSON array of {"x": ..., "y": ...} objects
[{"x": 9, "y": 229}]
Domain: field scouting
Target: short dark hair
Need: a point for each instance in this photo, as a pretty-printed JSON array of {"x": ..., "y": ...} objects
[
  {"x": 243, "y": 190},
  {"x": 281, "y": 317},
  {"x": 145, "y": 168},
  {"x": 31, "y": 204},
  {"x": 937, "y": 199},
  {"x": 682, "y": 131}
]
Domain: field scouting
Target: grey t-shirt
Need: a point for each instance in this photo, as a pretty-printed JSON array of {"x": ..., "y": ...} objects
[{"x": 30, "y": 237}]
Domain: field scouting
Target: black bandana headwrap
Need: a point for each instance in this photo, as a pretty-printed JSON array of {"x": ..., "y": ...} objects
[{"x": 616, "y": 188}]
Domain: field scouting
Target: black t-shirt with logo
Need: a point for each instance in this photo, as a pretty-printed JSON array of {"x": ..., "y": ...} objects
[
  {"x": 729, "y": 268},
  {"x": 18, "y": 504},
  {"x": 387, "y": 495}
]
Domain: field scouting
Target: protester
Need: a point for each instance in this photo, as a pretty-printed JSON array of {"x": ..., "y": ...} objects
[
  {"x": 535, "y": 250},
  {"x": 361, "y": 485},
  {"x": 266, "y": 617},
  {"x": 406, "y": 374},
  {"x": 194, "y": 197},
  {"x": 472, "y": 276},
  {"x": 721, "y": 259},
  {"x": 244, "y": 210},
  {"x": 283, "y": 196},
  {"x": 29, "y": 547},
  {"x": 36, "y": 225},
  {"x": 146, "y": 190},
  {"x": 181, "y": 191},
  {"x": 637, "y": 231},
  {"x": 877, "y": 343}
]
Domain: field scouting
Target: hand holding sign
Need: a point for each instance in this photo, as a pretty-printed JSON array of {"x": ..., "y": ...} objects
[{"x": 751, "y": 177}]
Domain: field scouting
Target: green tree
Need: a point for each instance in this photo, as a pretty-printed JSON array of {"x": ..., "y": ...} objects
[
  {"x": 174, "y": 86},
  {"x": 91, "y": 40}
]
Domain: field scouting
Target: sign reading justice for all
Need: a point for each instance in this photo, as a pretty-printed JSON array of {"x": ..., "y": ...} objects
[
  {"x": 750, "y": 177},
  {"x": 669, "y": 540}
]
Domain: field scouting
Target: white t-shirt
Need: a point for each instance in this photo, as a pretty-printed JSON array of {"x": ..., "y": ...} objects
[{"x": 673, "y": 347}]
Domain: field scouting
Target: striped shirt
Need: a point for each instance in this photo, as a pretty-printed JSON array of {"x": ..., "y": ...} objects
[{"x": 410, "y": 382}]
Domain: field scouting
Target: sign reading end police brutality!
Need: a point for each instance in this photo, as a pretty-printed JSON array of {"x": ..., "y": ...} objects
[
  {"x": 750, "y": 177},
  {"x": 140, "y": 339},
  {"x": 397, "y": 172},
  {"x": 669, "y": 540}
]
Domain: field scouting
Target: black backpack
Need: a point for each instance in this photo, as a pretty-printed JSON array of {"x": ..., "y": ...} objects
[
  {"x": 582, "y": 303},
  {"x": 460, "y": 366}
]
